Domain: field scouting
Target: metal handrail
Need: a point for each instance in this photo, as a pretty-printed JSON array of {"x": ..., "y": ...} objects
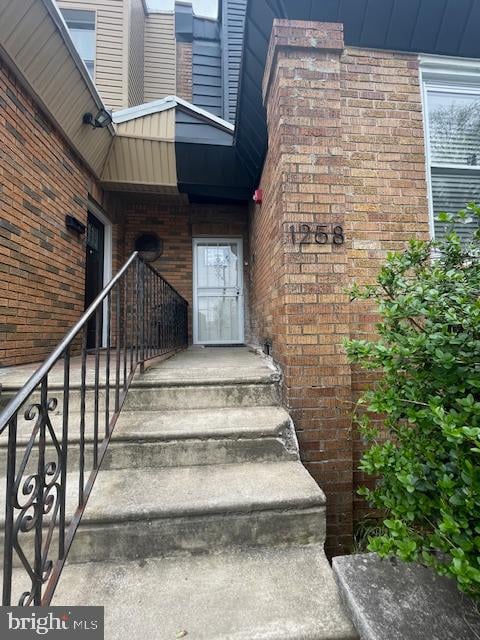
[
  {"x": 144, "y": 317},
  {"x": 32, "y": 383}
]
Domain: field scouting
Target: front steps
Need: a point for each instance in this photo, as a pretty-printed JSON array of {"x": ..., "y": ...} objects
[
  {"x": 203, "y": 518},
  {"x": 275, "y": 593}
]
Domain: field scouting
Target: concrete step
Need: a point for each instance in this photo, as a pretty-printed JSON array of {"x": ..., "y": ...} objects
[
  {"x": 153, "y": 395},
  {"x": 252, "y": 594},
  {"x": 163, "y": 376},
  {"x": 144, "y": 513},
  {"x": 152, "y": 383},
  {"x": 177, "y": 438},
  {"x": 201, "y": 437},
  {"x": 192, "y": 368},
  {"x": 149, "y": 512},
  {"x": 214, "y": 394}
]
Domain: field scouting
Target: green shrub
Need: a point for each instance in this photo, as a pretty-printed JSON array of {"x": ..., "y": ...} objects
[{"x": 427, "y": 456}]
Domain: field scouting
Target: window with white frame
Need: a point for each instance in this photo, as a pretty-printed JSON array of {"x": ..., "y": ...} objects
[
  {"x": 81, "y": 26},
  {"x": 452, "y": 116}
]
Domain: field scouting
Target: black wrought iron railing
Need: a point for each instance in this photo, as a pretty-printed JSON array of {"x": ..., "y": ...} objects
[{"x": 74, "y": 400}]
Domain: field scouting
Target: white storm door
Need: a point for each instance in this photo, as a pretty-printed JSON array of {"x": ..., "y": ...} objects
[{"x": 217, "y": 291}]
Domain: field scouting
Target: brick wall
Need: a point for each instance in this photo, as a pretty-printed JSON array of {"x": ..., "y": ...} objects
[
  {"x": 185, "y": 71},
  {"x": 267, "y": 250},
  {"x": 345, "y": 149},
  {"x": 385, "y": 184},
  {"x": 176, "y": 222},
  {"x": 42, "y": 264}
]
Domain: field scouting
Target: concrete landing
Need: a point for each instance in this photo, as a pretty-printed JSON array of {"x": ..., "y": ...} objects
[
  {"x": 271, "y": 594},
  {"x": 210, "y": 364}
]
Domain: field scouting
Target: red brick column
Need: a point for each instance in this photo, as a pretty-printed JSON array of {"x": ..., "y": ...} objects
[
  {"x": 346, "y": 149},
  {"x": 305, "y": 177}
]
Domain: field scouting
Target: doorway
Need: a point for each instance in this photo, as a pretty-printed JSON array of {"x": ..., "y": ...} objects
[{"x": 218, "y": 299}]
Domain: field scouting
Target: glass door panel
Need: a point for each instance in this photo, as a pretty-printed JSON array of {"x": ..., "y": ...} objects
[
  {"x": 218, "y": 319},
  {"x": 218, "y": 312}
]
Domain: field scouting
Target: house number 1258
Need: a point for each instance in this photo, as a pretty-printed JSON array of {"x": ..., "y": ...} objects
[{"x": 319, "y": 234}]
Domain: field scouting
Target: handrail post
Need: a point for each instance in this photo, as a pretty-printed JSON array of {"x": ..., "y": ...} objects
[
  {"x": 96, "y": 387},
  {"x": 118, "y": 346},
  {"x": 107, "y": 332},
  {"x": 64, "y": 454},
  {"x": 39, "y": 503},
  {"x": 141, "y": 311},
  {"x": 9, "y": 497}
]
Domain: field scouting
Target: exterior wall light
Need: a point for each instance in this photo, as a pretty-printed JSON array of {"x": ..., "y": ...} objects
[{"x": 100, "y": 121}]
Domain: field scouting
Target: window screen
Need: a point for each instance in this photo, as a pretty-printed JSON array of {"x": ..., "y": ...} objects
[{"x": 454, "y": 152}]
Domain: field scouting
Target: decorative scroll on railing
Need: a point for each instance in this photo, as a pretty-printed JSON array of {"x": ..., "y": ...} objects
[{"x": 73, "y": 402}]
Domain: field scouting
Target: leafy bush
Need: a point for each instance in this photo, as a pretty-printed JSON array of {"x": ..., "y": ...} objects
[{"x": 427, "y": 456}]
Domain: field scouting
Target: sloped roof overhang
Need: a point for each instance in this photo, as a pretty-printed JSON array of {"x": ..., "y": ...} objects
[
  {"x": 440, "y": 27},
  {"x": 171, "y": 146},
  {"x": 36, "y": 45}
]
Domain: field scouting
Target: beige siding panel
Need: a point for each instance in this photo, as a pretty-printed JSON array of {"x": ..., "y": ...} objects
[
  {"x": 110, "y": 64},
  {"x": 33, "y": 44},
  {"x": 157, "y": 126},
  {"x": 136, "y": 53},
  {"x": 136, "y": 161},
  {"x": 26, "y": 28},
  {"x": 143, "y": 154},
  {"x": 160, "y": 56}
]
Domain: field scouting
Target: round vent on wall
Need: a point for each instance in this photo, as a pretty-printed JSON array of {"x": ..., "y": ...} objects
[{"x": 149, "y": 246}]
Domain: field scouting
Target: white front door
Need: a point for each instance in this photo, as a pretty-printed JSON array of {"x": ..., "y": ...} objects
[{"x": 217, "y": 291}]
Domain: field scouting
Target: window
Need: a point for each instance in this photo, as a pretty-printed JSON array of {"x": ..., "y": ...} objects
[
  {"x": 81, "y": 25},
  {"x": 452, "y": 106}
]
